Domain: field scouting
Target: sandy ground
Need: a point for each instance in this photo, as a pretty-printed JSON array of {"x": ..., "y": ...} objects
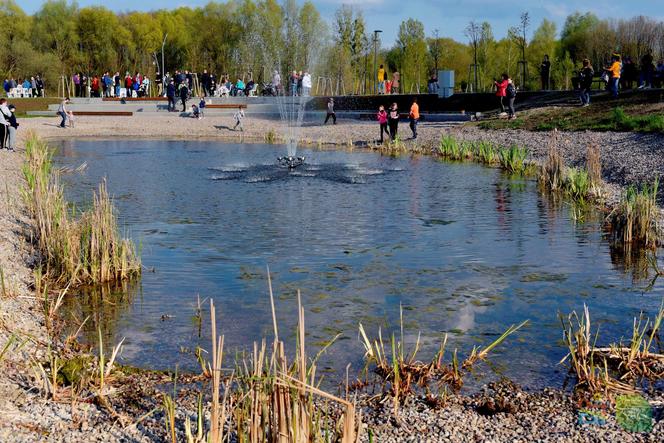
[{"x": 26, "y": 416}]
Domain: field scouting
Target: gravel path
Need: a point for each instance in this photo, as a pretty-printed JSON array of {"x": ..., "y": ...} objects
[{"x": 542, "y": 416}]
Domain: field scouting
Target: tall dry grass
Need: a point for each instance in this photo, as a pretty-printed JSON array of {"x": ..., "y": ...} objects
[
  {"x": 634, "y": 220},
  {"x": 266, "y": 398},
  {"x": 75, "y": 248}
]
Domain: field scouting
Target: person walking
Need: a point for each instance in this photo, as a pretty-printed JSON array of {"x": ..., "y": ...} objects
[
  {"x": 184, "y": 95},
  {"x": 201, "y": 106},
  {"x": 4, "y": 124},
  {"x": 170, "y": 95},
  {"x": 276, "y": 82},
  {"x": 239, "y": 116},
  {"x": 396, "y": 78},
  {"x": 128, "y": 84},
  {"x": 306, "y": 84},
  {"x": 330, "y": 112},
  {"x": 12, "y": 127},
  {"x": 382, "y": 121},
  {"x": 614, "y": 75},
  {"x": 293, "y": 83},
  {"x": 510, "y": 93},
  {"x": 414, "y": 116},
  {"x": 647, "y": 70},
  {"x": 393, "y": 121},
  {"x": 545, "y": 73},
  {"x": 40, "y": 86},
  {"x": 381, "y": 81},
  {"x": 62, "y": 111},
  {"x": 586, "y": 82},
  {"x": 501, "y": 88}
]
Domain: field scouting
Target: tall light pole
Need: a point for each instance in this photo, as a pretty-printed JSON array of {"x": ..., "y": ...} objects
[
  {"x": 163, "y": 67},
  {"x": 375, "y": 69}
]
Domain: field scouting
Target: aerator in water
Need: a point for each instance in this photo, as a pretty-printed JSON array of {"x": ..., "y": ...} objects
[{"x": 290, "y": 162}]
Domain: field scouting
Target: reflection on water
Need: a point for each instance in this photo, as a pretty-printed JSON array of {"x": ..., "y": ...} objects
[{"x": 465, "y": 250}]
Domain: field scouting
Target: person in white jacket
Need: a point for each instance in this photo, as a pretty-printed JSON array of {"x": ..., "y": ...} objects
[
  {"x": 4, "y": 123},
  {"x": 306, "y": 84}
]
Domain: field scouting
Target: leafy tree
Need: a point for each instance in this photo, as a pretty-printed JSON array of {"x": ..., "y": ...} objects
[
  {"x": 54, "y": 30},
  {"x": 411, "y": 40}
]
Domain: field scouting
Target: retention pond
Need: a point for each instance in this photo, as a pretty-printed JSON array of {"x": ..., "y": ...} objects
[{"x": 466, "y": 250}]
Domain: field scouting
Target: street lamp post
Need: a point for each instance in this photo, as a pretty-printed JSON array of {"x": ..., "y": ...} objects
[
  {"x": 163, "y": 68},
  {"x": 375, "y": 69}
]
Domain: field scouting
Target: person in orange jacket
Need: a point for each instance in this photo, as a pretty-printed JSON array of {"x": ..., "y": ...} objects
[{"x": 414, "y": 116}]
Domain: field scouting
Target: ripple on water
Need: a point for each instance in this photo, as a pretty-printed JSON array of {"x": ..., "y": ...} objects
[{"x": 258, "y": 179}]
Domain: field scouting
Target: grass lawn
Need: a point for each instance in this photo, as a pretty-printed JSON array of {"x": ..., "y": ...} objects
[
  {"x": 24, "y": 105},
  {"x": 615, "y": 115}
]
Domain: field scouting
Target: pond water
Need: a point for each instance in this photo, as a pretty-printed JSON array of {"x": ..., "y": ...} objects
[{"x": 466, "y": 250}]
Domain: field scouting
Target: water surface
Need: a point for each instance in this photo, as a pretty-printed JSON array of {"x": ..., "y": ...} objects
[{"x": 466, "y": 250}]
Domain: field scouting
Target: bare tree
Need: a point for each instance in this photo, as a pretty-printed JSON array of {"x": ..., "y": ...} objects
[
  {"x": 519, "y": 35},
  {"x": 474, "y": 33}
]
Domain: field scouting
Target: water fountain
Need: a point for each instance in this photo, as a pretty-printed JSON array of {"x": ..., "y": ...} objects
[{"x": 290, "y": 162}]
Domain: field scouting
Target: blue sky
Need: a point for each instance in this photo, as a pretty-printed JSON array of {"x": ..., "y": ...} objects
[{"x": 448, "y": 16}]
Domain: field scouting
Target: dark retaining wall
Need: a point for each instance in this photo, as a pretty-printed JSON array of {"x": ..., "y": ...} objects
[{"x": 479, "y": 102}]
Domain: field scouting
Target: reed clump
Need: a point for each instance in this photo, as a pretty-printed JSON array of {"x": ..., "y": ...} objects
[
  {"x": 75, "y": 248},
  {"x": 513, "y": 159},
  {"x": 266, "y": 397},
  {"x": 633, "y": 221},
  {"x": 594, "y": 168},
  {"x": 551, "y": 173},
  {"x": 405, "y": 373},
  {"x": 618, "y": 368},
  {"x": 271, "y": 137}
]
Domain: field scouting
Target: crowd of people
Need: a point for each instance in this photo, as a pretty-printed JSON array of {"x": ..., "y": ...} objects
[{"x": 28, "y": 87}]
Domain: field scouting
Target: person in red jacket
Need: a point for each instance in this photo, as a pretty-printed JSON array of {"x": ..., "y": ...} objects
[
  {"x": 382, "y": 120},
  {"x": 501, "y": 90},
  {"x": 128, "y": 83}
]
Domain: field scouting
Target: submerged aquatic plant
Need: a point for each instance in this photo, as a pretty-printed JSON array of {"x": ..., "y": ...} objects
[{"x": 75, "y": 250}]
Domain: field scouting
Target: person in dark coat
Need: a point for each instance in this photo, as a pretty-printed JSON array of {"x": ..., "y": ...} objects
[
  {"x": 170, "y": 94},
  {"x": 184, "y": 95},
  {"x": 545, "y": 73}
]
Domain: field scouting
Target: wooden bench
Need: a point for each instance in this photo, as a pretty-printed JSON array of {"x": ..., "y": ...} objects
[
  {"x": 225, "y": 106},
  {"x": 103, "y": 113}
]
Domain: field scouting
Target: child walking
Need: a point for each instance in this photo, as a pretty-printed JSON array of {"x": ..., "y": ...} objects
[
  {"x": 201, "y": 107},
  {"x": 393, "y": 121},
  {"x": 238, "y": 116},
  {"x": 382, "y": 120}
]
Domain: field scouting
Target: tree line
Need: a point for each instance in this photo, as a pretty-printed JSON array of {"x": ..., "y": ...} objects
[{"x": 243, "y": 38}]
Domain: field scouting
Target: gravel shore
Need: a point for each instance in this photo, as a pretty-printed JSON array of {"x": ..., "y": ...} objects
[{"x": 25, "y": 416}]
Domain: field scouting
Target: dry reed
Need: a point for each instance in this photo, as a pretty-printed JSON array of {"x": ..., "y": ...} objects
[{"x": 76, "y": 249}]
